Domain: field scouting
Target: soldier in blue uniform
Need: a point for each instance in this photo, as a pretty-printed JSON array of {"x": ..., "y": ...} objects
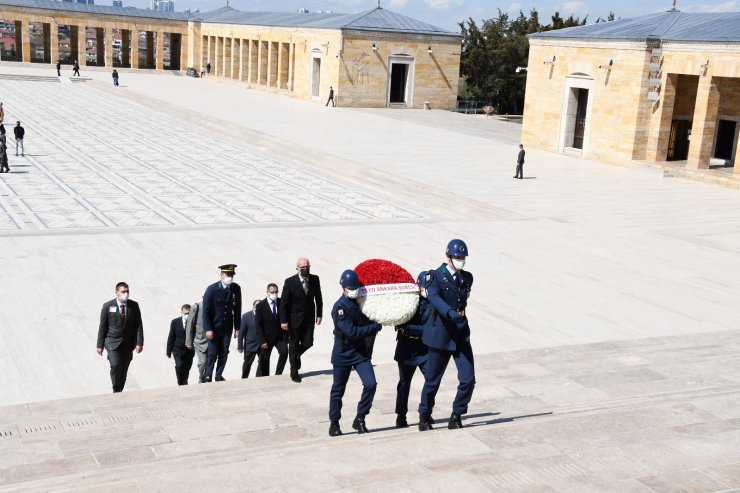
[
  {"x": 351, "y": 329},
  {"x": 411, "y": 352},
  {"x": 448, "y": 335},
  {"x": 222, "y": 310}
]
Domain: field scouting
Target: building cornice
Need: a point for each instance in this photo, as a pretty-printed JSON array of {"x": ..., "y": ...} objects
[
  {"x": 591, "y": 43},
  {"x": 695, "y": 46}
]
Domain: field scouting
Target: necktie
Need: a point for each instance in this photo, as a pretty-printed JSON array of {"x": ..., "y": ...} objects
[
  {"x": 274, "y": 310},
  {"x": 456, "y": 278},
  {"x": 305, "y": 285},
  {"x": 123, "y": 314}
]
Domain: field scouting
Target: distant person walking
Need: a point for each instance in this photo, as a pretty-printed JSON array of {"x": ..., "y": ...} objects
[
  {"x": 331, "y": 98},
  {"x": 520, "y": 163},
  {"x": 76, "y": 69},
  {"x": 3, "y": 151},
  {"x": 19, "y": 132},
  {"x": 2, "y": 113},
  {"x": 176, "y": 346},
  {"x": 59, "y": 68},
  {"x": 115, "y": 77},
  {"x": 208, "y": 68}
]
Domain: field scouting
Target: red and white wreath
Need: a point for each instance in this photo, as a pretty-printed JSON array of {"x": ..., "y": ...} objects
[{"x": 388, "y": 294}]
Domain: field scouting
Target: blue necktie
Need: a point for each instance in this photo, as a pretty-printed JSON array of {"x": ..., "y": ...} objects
[{"x": 274, "y": 310}]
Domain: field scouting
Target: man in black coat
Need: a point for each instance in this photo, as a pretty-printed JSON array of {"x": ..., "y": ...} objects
[
  {"x": 300, "y": 309},
  {"x": 248, "y": 341},
  {"x": 176, "y": 346},
  {"x": 121, "y": 332},
  {"x": 269, "y": 332},
  {"x": 520, "y": 163}
]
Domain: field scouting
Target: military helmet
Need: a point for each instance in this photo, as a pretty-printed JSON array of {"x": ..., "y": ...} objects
[
  {"x": 423, "y": 280},
  {"x": 349, "y": 279},
  {"x": 457, "y": 248}
]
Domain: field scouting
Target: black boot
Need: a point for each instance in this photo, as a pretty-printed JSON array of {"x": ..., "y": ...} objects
[
  {"x": 359, "y": 424},
  {"x": 334, "y": 430},
  {"x": 425, "y": 422},
  {"x": 401, "y": 421},
  {"x": 455, "y": 422}
]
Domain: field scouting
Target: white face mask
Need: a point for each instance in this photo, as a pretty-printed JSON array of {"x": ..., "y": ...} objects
[
  {"x": 458, "y": 264},
  {"x": 227, "y": 280},
  {"x": 352, "y": 293},
  {"x": 272, "y": 296},
  {"x": 184, "y": 318},
  {"x": 122, "y": 297}
]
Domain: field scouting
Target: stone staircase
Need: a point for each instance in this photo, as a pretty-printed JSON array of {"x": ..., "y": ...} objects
[
  {"x": 41, "y": 78},
  {"x": 650, "y": 415}
]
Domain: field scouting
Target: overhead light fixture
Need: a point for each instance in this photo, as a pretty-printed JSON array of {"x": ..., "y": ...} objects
[
  {"x": 550, "y": 62},
  {"x": 607, "y": 66},
  {"x": 704, "y": 66},
  {"x": 520, "y": 69},
  {"x": 375, "y": 48},
  {"x": 430, "y": 50}
]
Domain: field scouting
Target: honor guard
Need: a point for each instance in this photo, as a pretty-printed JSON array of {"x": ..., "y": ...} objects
[
  {"x": 448, "y": 335},
  {"x": 222, "y": 309},
  {"x": 411, "y": 352},
  {"x": 351, "y": 329}
]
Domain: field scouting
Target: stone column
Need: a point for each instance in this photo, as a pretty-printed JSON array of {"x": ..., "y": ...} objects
[
  {"x": 291, "y": 66},
  {"x": 261, "y": 73},
  {"x": 270, "y": 71},
  {"x": 219, "y": 61},
  {"x": 100, "y": 46},
  {"x": 54, "y": 42},
  {"x": 705, "y": 122},
  {"x": 241, "y": 59},
  {"x": 283, "y": 68},
  {"x": 226, "y": 62},
  {"x": 126, "y": 48},
  {"x": 108, "y": 47},
  {"x": 253, "y": 78},
  {"x": 236, "y": 47},
  {"x": 135, "y": 48},
  {"x": 660, "y": 126},
  {"x": 22, "y": 41},
  {"x": 279, "y": 75},
  {"x": 82, "y": 46},
  {"x": 160, "y": 50}
]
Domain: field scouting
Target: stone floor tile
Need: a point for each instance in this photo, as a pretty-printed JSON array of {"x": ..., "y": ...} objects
[{"x": 693, "y": 481}]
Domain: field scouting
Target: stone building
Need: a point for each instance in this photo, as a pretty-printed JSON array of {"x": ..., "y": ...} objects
[
  {"x": 655, "y": 88},
  {"x": 377, "y": 58}
]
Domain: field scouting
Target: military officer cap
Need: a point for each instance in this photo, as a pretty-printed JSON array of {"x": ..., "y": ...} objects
[{"x": 228, "y": 268}]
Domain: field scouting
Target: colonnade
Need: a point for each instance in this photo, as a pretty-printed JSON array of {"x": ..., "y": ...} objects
[{"x": 255, "y": 61}]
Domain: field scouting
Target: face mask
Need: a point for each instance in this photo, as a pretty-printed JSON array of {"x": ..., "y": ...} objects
[
  {"x": 227, "y": 280},
  {"x": 458, "y": 264},
  {"x": 185, "y": 318},
  {"x": 352, "y": 293},
  {"x": 123, "y": 297},
  {"x": 305, "y": 271},
  {"x": 272, "y": 296}
]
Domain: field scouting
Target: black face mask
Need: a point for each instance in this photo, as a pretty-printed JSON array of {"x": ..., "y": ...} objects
[{"x": 305, "y": 271}]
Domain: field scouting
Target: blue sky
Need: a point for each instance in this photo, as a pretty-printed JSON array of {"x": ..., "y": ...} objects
[{"x": 447, "y": 13}]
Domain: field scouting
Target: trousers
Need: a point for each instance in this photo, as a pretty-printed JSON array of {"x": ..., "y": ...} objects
[
  {"x": 202, "y": 354},
  {"x": 436, "y": 366},
  {"x": 19, "y": 143},
  {"x": 519, "y": 170},
  {"x": 264, "y": 362},
  {"x": 218, "y": 353},
  {"x": 301, "y": 338},
  {"x": 405, "y": 374},
  {"x": 341, "y": 376},
  {"x": 247, "y": 365},
  {"x": 183, "y": 364},
  {"x": 119, "y": 360}
]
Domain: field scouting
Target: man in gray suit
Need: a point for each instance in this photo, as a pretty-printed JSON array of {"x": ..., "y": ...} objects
[
  {"x": 248, "y": 341},
  {"x": 196, "y": 339},
  {"x": 121, "y": 332},
  {"x": 520, "y": 163}
]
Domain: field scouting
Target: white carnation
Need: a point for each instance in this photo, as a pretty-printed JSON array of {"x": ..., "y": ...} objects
[{"x": 391, "y": 308}]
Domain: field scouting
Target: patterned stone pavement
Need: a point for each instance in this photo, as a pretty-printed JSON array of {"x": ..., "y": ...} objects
[{"x": 119, "y": 165}]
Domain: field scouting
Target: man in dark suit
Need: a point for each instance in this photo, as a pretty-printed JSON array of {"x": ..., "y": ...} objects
[
  {"x": 520, "y": 163},
  {"x": 248, "y": 341},
  {"x": 222, "y": 310},
  {"x": 269, "y": 332},
  {"x": 121, "y": 333},
  {"x": 176, "y": 345},
  {"x": 300, "y": 309}
]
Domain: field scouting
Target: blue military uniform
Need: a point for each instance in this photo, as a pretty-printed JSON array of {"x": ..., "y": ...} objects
[
  {"x": 351, "y": 328},
  {"x": 448, "y": 335},
  {"x": 222, "y": 308},
  {"x": 411, "y": 352}
]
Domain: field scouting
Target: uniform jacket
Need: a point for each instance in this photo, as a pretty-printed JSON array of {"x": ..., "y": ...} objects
[
  {"x": 268, "y": 327},
  {"x": 445, "y": 295},
  {"x": 176, "y": 338},
  {"x": 299, "y": 309},
  {"x": 112, "y": 334},
  {"x": 195, "y": 335},
  {"x": 351, "y": 328},
  {"x": 222, "y": 314},
  {"x": 520, "y": 157},
  {"x": 410, "y": 349},
  {"x": 248, "y": 333}
]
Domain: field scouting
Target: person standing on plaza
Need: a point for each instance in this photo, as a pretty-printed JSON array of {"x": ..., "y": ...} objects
[
  {"x": 448, "y": 336},
  {"x": 269, "y": 332},
  {"x": 248, "y": 340},
  {"x": 208, "y": 68},
  {"x": 331, "y": 97},
  {"x": 520, "y": 163},
  {"x": 300, "y": 308},
  {"x": 2, "y": 113},
  {"x": 19, "y": 132},
  {"x": 222, "y": 309},
  {"x": 176, "y": 346},
  {"x": 4, "y": 168},
  {"x": 351, "y": 331},
  {"x": 411, "y": 352},
  {"x": 121, "y": 333},
  {"x": 196, "y": 340},
  {"x": 76, "y": 69},
  {"x": 115, "y": 77},
  {"x": 59, "y": 68}
]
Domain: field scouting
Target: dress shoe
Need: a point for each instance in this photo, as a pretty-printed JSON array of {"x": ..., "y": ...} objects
[
  {"x": 401, "y": 421},
  {"x": 295, "y": 377},
  {"x": 334, "y": 430},
  {"x": 425, "y": 422},
  {"x": 220, "y": 379},
  {"x": 359, "y": 424},
  {"x": 455, "y": 422}
]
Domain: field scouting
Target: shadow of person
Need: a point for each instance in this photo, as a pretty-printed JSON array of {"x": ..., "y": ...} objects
[
  {"x": 316, "y": 373},
  {"x": 506, "y": 420},
  {"x": 529, "y": 178}
]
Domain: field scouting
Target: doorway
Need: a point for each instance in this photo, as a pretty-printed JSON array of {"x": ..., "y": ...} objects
[
  {"x": 678, "y": 141},
  {"x": 399, "y": 79},
  {"x": 725, "y": 140},
  {"x": 579, "y": 130},
  {"x": 316, "y": 78}
]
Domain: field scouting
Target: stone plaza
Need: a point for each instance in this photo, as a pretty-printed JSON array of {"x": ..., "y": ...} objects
[{"x": 603, "y": 310}]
